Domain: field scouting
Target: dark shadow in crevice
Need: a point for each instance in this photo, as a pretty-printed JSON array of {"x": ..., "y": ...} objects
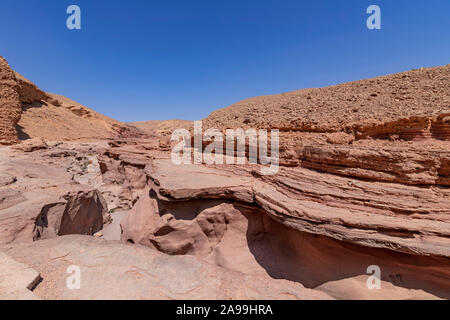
[
  {"x": 21, "y": 134},
  {"x": 314, "y": 260},
  {"x": 185, "y": 210},
  {"x": 35, "y": 104}
]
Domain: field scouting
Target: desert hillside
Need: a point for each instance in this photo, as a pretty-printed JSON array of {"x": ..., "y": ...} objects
[
  {"x": 54, "y": 117},
  {"x": 355, "y": 107}
]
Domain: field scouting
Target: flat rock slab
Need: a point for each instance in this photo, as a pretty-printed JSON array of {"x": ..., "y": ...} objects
[
  {"x": 17, "y": 279},
  {"x": 184, "y": 182},
  {"x": 111, "y": 270},
  {"x": 112, "y": 231}
]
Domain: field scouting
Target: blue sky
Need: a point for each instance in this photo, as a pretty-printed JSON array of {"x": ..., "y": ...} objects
[{"x": 139, "y": 60}]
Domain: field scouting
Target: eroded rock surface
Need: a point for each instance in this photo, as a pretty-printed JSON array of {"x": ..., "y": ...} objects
[
  {"x": 39, "y": 198},
  {"x": 380, "y": 215}
]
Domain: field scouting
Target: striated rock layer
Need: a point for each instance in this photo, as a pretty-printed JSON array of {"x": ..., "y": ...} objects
[{"x": 318, "y": 229}]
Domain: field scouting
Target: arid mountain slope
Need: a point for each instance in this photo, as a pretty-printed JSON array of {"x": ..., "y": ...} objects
[
  {"x": 408, "y": 98},
  {"x": 59, "y": 118},
  {"x": 50, "y": 116},
  {"x": 393, "y": 128}
]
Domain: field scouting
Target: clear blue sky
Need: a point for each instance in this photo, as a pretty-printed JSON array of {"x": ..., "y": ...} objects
[{"x": 138, "y": 60}]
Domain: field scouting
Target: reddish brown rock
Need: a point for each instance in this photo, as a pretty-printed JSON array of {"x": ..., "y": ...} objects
[
  {"x": 340, "y": 138},
  {"x": 27, "y": 112},
  {"x": 399, "y": 162},
  {"x": 28, "y": 91},
  {"x": 363, "y": 181},
  {"x": 10, "y": 106}
]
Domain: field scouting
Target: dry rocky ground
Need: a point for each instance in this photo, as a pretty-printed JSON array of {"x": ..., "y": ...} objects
[{"x": 364, "y": 180}]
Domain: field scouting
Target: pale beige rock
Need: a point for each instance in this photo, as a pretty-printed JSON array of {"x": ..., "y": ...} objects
[
  {"x": 356, "y": 288},
  {"x": 17, "y": 279}
]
